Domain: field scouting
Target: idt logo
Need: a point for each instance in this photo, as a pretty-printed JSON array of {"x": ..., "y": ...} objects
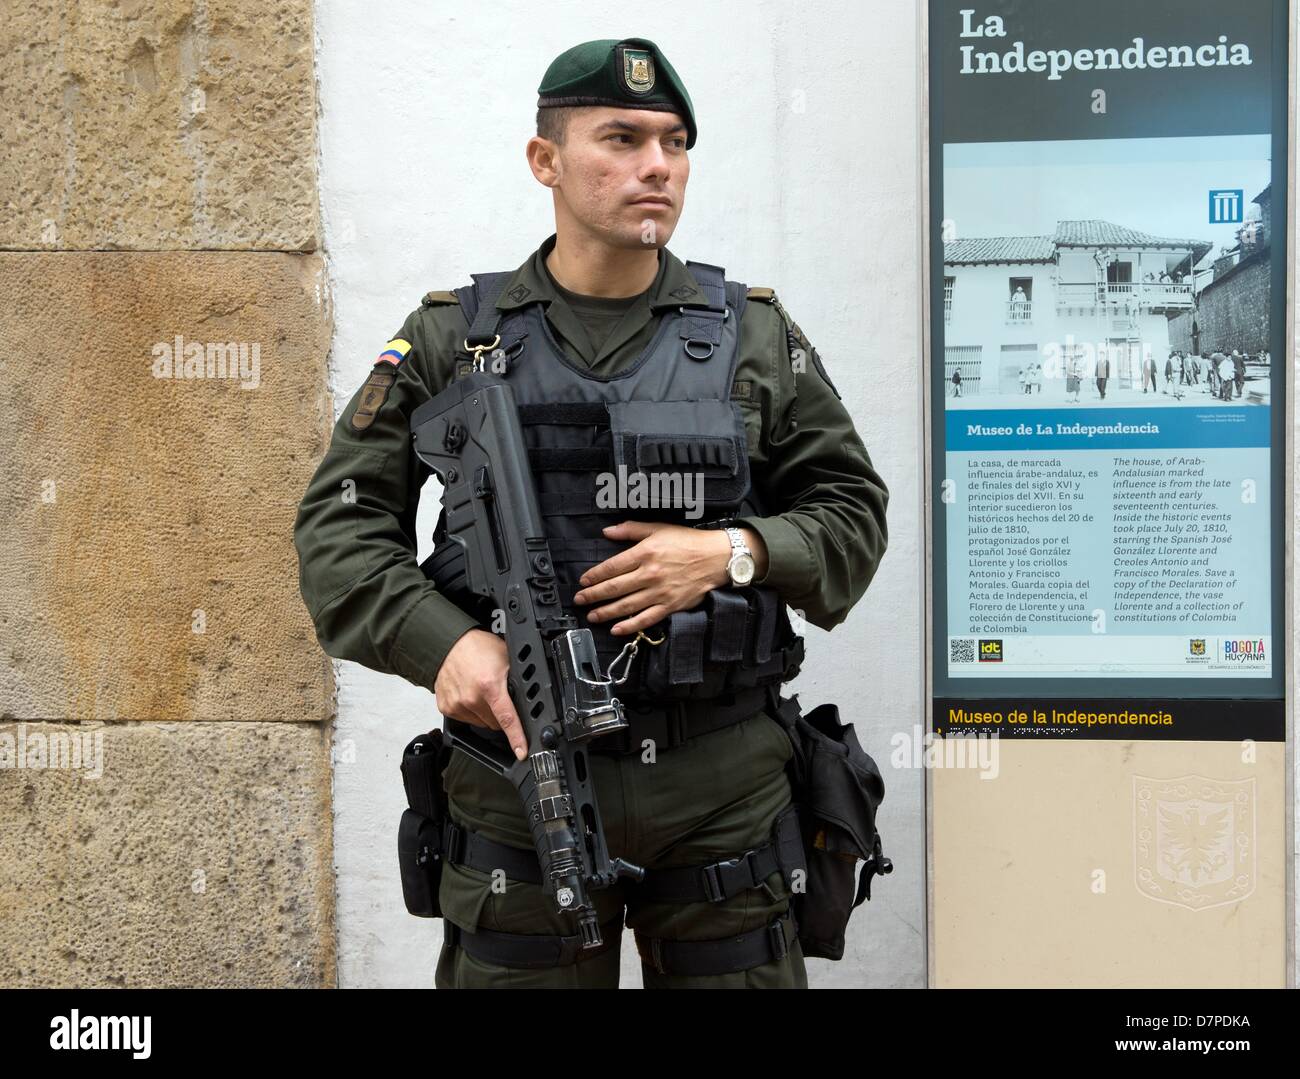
[
  {"x": 990, "y": 651},
  {"x": 1225, "y": 206}
]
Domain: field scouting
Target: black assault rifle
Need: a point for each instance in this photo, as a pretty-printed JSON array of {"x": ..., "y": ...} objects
[{"x": 470, "y": 435}]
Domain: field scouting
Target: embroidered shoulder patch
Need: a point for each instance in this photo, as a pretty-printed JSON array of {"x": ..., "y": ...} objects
[
  {"x": 373, "y": 394},
  {"x": 394, "y": 352}
]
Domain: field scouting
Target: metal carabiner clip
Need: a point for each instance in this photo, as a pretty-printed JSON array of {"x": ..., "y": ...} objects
[{"x": 628, "y": 654}]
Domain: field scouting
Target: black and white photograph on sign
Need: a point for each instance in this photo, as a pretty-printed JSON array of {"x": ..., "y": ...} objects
[{"x": 1107, "y": 273}]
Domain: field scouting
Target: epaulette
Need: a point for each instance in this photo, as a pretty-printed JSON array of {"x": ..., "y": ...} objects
[
  {"x": 431, "y": 298},
  {"x": 766, "y": 295}
]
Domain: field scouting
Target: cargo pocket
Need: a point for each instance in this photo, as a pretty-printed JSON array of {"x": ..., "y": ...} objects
[{"x": 463, "y": 894}]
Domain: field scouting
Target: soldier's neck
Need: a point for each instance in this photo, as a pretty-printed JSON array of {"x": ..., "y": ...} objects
[{"x": 591, "y": 268}]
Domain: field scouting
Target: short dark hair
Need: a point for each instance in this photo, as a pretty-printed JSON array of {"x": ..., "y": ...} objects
[{"x": 553, "y": 123}]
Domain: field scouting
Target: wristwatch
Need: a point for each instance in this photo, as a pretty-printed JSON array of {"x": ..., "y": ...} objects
[{"x": 741, "y": 566}]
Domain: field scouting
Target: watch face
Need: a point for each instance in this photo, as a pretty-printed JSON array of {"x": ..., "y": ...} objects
[{"x": 741, "y": 569}]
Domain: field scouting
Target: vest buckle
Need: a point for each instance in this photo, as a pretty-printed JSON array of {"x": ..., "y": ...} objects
[{"x": 692, "y": 345}]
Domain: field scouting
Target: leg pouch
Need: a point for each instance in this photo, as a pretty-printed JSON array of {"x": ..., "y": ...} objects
[
  {"x": 837, "y": 788},
  {"x": 422, "y": 828}
]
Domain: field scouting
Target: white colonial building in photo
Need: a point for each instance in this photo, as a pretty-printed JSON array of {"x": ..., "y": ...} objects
[{"x": 1010, "y": 301}]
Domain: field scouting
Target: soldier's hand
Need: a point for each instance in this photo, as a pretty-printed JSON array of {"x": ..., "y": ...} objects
[
  {"x": 471, "y": 687},
  {"x": 668, "y": 568}
]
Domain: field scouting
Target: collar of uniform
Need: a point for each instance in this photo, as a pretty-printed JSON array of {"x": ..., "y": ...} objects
[{"x": 673, "y": 284}]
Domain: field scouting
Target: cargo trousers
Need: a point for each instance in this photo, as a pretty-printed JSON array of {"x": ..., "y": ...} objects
[{"x": 708, "y": 799}]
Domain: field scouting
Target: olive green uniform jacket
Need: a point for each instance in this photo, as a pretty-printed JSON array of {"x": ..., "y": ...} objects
[{"x": 355, "y": 529}]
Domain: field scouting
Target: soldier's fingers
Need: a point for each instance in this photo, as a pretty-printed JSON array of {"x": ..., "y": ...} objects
[
  {"x": 630, "y": 604},
  {"x": 633, "y": 530},
  {"x": 465, "y": 712},
  {"x": 644, "y": 620},
  {"x": 508, "y": 720},
  {"x": 623, "y": 562},
  {"x": 622, "y": 585},
  {"x": 481, "y": 716}
]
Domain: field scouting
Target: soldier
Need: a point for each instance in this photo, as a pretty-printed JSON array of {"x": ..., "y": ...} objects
[{"x": 604, "y": 312}]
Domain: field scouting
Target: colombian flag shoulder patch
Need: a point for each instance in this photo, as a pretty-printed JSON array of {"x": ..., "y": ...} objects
[{"x": 394, "y": 352}]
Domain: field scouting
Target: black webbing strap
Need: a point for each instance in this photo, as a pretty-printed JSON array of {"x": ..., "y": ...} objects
[
  {"x": 595, "y": 413},
  {"x": 729, "y": 955},
  {"x": 877, "y": 865},
  {"x": 568, "y": 503},
  {"x": 531, "y": 951},
  {"x": 488, "y": 287},
  {"x": 730, "y": 620},
  {"x": 686, "y": 631},
  {"x": 673, "y": 723},
  {"x": 737, "y": 294},
  {"x": 469, "y": 848},
  {"x": 574, "y": 459},
  {"x": 783, "y": 852},
  {"x": 582, "y": 549},
  {"x": 700, "y": 324},
  {"x": 710, "y": 883},
  {"x": 766, "y": 610}
]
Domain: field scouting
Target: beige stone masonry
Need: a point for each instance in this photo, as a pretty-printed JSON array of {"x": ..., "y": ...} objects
[
  {"x": 149, "y": 569},
  {"x": 200, "y": 855},
  {"x": 159, "y": 125}
]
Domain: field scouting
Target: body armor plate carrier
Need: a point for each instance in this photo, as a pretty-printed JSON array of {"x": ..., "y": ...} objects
[{"x": 659, "y": 441}]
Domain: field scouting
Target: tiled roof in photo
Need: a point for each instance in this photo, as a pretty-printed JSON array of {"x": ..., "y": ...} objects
[
  {"x": 1084, "y": 232},
  {"x": 1093, "y": 232},
  {"x": 999, "y": 249}
]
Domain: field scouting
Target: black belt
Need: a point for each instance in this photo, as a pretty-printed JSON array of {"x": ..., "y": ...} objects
[{"x": 671, "y": 723}]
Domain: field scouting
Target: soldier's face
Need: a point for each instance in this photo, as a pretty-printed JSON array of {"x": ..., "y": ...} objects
[{"x": 621, "y": 174}]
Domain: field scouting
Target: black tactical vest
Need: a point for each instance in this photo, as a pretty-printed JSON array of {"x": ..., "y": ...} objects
[{"x": 659, "y": 441}]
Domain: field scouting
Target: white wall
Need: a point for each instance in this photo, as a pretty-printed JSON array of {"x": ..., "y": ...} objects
[{"x": 804, "y": 179}]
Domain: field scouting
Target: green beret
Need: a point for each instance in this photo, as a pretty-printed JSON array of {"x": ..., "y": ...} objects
[{"x": 628, "y": 74}]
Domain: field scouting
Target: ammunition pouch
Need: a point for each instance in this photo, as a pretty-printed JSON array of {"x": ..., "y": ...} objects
[
  {"x": 670, "y": 442},
  {"x": 837, "y": 790}
]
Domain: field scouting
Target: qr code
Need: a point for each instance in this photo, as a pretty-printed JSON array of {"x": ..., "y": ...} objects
[{"x": 961, "y": 650}]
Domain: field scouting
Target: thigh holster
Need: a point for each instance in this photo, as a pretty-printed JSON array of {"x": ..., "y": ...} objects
[{"x": 837, "y": 790}]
